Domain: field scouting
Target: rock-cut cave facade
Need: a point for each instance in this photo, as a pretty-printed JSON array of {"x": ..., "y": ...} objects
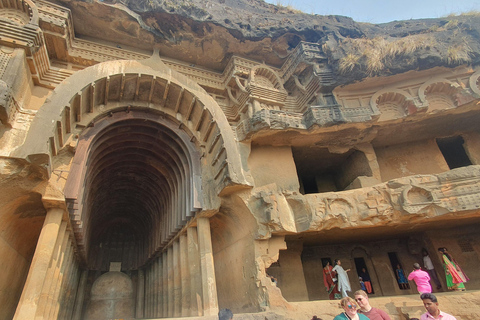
[{"x": 146, "y": 182}]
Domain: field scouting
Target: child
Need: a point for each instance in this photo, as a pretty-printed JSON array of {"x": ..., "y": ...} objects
[
  {"x": 362, "y": 284},
  {"x": 402, "y": 280}
]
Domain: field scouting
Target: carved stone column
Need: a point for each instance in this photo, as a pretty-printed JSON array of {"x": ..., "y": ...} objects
[
  {"x": 170, "y": 282},
  {"x": 154, "y": 282},
  {"x": 177, "y": 290},
  {"x": 185, "y": 274},
  {"x": 147, "y": 292},
  {"x": 61, "y": 292},
  {"x": 165, "y": 285},
  {"x": 160, "y": 292},
  {"x": 196, "y": 304},
  {"x": 51, "y": 279},
  {"x": 209, "y": 285},
  {"x": 63, "y": 272},
  {"x": 77, "y": 313},
  {"x": 140, "y": 294},
  {"x": 28, "y": 303}
]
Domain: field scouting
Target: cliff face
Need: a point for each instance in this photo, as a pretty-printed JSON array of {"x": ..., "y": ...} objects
[{"x": 208, "y": 33}]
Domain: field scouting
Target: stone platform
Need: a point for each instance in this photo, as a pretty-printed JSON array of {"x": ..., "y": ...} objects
[{"x": 463, "y": 305}]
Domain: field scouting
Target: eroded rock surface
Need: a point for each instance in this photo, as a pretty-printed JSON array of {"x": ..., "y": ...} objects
[
  {"x": 208, "y": 33},
  {"x": 405, "y": 202}
]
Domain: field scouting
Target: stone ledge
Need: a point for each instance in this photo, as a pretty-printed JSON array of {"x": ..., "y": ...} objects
[{"x": 409, "y": 201}]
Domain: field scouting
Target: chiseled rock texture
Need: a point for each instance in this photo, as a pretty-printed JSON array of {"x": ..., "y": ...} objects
[
  {"x": 208, "y": 33},
  {"x": 399, "y": 202}
]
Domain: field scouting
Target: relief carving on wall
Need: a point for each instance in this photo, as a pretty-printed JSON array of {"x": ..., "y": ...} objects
[{"x": 415, "y": 199}]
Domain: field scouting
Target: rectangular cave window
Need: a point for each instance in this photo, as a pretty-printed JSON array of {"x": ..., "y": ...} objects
[
  {"x": 327, "y": 100},
  {"x": 362, "y": 272},
  {"x": 453, "y": 151},
  {"x": 400, "y": 273},
  {"x": 320, "y": 170}
]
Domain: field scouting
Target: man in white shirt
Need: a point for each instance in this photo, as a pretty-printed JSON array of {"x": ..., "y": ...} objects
[{"x": 427, "y": 263}]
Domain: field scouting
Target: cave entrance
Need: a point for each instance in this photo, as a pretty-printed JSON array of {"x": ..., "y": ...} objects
[
  {"x": 137, "y": 188},
  {"x": 454, "y": 152},
  {"x": 320, "y": 170},
  {"x": 137, "y": 193}
]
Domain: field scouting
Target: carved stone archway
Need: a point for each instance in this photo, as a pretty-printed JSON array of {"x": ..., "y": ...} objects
[
  {"x": 152, "y": 149},
  {"x": 136, "y": 176},
  {"x": 150, "y": 85}
]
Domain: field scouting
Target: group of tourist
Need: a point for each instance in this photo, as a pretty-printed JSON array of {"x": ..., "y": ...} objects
[
  {"x": 337, "y": 283},
  {"x": 454, "y": 275},
  {"x": 336, "y": 280},
  {"x": 360, "y": 309}
]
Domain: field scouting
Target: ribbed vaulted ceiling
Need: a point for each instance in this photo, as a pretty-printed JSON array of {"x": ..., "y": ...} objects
[{"x": 137, "y": 192}]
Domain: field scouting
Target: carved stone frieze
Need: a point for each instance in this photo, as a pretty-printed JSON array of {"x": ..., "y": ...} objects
[
  {"x": 410, "y": 200},
  {"x": 322, "y": 116}
]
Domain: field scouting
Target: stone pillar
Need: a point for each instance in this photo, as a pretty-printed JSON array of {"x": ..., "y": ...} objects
[
  {"x": 185, "y": 276},
  {"x": 50, "y": 281},
  {"x": 196, "y": 304},
  {"x": 154, "y": 282},
  {"x": 27, "y": 306},
  {"x": 77, "y": 312},
  {"x": 160, "y": 286},
  {"x": 147, "y": 292},
  {"x": 170, "y": 282},
  {"x": 176, "y": 280},
  {"x": 50, "y": 305},
  {"x": 63, "y": 279},
  {"x": 66, "y": 292},
  {"x": 165, "y": 285},
  {"x": 209, "y": 285},
  {"x": 371, "y": 156},
  {"x": 294, "y": 286},
  {"x": 67, "y": 312},
  {"x": 148, "y": 306},
  {"x": 140, "y": 294}
]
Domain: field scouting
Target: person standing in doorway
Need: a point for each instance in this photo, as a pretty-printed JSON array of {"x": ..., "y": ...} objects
[
  {"x": 330, "y": 280},
  {"x": 342, "y": 276},
  {"x": 453, "y": 273},
  {"x": 402, "y": 280},
  {"x": 421, "y": 279},
  {"x": 366, "y": 280},
  {"x": 372, "y": 313},
  {"x": 428, "y": 265}
]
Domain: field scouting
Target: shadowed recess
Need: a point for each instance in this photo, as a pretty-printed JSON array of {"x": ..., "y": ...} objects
[{"x": 138, "y": 192}]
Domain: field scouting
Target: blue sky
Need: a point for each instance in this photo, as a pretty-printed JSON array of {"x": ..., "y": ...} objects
[{"x": 379, "y": 11}]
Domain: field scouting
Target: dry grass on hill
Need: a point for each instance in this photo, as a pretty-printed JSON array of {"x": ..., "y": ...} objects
[{"x": 374, "y": 54}]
